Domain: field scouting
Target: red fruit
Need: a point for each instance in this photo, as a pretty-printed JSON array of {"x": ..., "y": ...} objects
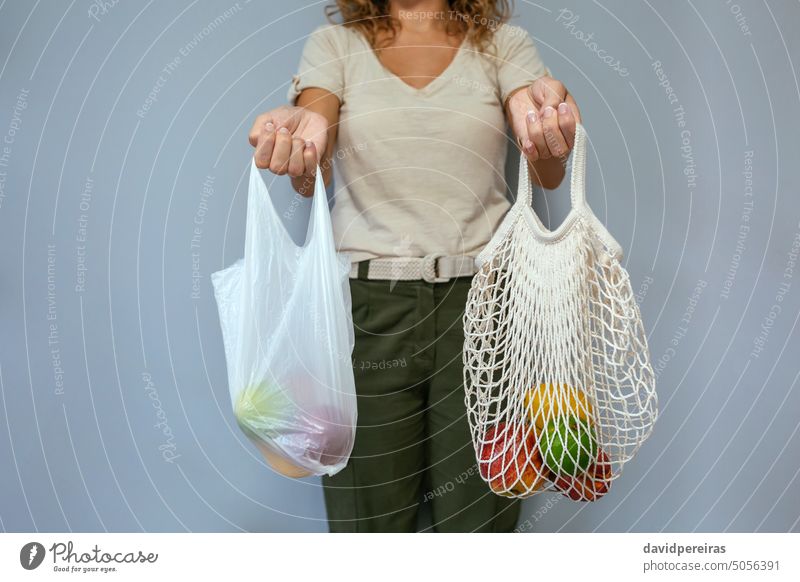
[
  {"x": 505, "y": 463},
  {"x": 590, "y": 486},
  {"x": 496, "y": 452}
]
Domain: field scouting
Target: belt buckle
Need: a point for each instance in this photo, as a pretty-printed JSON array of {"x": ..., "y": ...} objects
[{"x": 430, "y": 270}]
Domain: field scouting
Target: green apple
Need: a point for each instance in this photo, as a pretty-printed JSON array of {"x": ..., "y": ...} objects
[
  {"x": 262, "y": 410},
  {"x": 567, "y": 445}
]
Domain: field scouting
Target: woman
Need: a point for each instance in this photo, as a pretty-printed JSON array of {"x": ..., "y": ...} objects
[{"x": 411, "y": 98}]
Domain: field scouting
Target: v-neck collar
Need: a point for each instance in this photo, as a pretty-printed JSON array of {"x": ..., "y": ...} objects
[{"x": 416, "y": 90}]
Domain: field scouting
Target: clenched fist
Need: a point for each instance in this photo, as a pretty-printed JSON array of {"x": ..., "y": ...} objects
[
  {"x": 289, "y": 140},
  {"x": 543, "y": 117}
]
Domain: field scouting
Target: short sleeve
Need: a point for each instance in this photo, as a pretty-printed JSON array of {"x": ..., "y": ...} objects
[
  {"x": 518, "y": 60},
  {"x": 321, "y": 64}
]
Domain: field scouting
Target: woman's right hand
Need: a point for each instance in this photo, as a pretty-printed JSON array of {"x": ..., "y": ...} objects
[{"x": 289, "y": 140}]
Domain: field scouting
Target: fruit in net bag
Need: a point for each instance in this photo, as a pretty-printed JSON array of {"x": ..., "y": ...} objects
[
  {"x": 511, "y": 463},
  {"x": 568, "y": 445},
  {"x": 548, "y": 401},
  {"x": 590, "y": 486}
]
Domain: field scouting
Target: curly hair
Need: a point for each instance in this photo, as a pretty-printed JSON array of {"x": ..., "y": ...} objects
[{"x": 477, "y": 20}]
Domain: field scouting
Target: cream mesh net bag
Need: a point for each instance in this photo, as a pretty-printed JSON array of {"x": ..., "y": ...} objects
[{"x": 559, "y": 388}]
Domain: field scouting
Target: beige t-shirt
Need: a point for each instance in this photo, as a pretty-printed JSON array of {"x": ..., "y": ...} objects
[{"x": 417, "y": 171}]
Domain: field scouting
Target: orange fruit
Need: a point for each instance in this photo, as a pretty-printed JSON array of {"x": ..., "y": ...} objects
[{"x": 547, "y": 402}]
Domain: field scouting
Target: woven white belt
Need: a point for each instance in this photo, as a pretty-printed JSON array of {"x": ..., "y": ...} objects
[{"x": 431, "y": 268}]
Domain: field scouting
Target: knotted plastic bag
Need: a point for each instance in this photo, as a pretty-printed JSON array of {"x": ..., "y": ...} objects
[{"x": 288, "y": 333}]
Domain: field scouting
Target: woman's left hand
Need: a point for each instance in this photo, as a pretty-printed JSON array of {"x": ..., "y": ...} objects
[{"x": 543, "y": 117}]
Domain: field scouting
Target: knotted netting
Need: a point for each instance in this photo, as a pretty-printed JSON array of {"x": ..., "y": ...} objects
[{"x": 559, "y": 389}]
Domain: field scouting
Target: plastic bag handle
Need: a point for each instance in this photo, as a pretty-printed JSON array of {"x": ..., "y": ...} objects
[
  {"x": 319, "y": 231},
  {"x": 320, "y": 215}
]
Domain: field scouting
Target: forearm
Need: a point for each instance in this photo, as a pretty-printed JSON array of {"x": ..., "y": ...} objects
[{"x": 326, "y": 104}]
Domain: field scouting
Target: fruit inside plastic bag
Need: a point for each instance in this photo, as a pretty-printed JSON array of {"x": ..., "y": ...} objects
[
  {"x": 285, "y": 430},
  {"x": 285, "y": 315}
]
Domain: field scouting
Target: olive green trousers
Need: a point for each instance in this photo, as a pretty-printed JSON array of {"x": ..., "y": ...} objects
[{"x": 412, "y": 444}]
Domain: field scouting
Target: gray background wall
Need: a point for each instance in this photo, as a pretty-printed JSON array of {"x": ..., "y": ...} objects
[{"x": 99, "y": 320}]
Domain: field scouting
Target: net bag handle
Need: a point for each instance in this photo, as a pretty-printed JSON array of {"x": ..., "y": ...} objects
[{"x": 577, "y": 178}]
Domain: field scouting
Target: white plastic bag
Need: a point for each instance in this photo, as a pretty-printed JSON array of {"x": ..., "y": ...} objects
[
  {"x": 559, "y": 388},
  {"x": 288, "y": 332}
]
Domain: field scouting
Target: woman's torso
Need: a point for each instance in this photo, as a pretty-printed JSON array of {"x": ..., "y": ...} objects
[{"x": 418, "y": 171}]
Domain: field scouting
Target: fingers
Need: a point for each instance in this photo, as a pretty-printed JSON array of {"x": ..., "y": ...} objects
[
  {"x": 296, "y": 161},
  {"x": 570, "y": 100},
  {"x": 281, "y": 144},
  {"x": 282, "y": 154},
  {"x": 548, "y": 129},
  {"x": 284, "y": 116},
  {"x": 279, "y": 163},
  {"x": 258, "y": 128},
  {"x": 530, "y": 150},
  {"x": 556, "y": 144},
  {"x": 265, "y": 143},
  {"x": 536, "y": 136},
  {"x": 310, "y": 158},
  {"x": 566, "y": 123},
  {"x": 550, "y": 134}
]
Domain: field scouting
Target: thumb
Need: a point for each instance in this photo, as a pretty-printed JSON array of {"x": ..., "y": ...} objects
[
  {"x": 536, "y": 95},
  {"x": 547, "y": 93}
]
